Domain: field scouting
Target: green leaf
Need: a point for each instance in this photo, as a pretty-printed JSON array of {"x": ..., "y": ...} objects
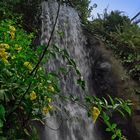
[
  {"x": 1, "y": 123},
  {"x": 111, "y": 100},
  {"x": 65, "y": 53},
  {"x": 127, "y": 109},
  {"x": 105, "y": 117},
  {"x": 118, "y": 133},
  {"x": 3, "y": 138},
  {"x": 88, "y": 99},
  {"x": 113, "y": 136},
  {"x": 81, "y": 83},
  {"x": 72, "y": 62},
  {"x": 108, "y": 129},
  {"x": 106, "y": 103},
  {"x": 27, "y": 132},
  {"x": 2, "y": 94},
  {"x": 2, "y": 112},
  {"x": 113, "y": 125},
  {"x": 78, "y": 72}
]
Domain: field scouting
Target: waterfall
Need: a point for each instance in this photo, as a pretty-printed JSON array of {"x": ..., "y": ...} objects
[{"x": 75, "y": 125}]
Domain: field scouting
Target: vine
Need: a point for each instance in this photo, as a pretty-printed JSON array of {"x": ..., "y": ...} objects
[{"x": 27, "y": 93}]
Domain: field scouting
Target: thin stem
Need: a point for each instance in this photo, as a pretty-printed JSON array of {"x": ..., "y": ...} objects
[
  {"x": 39, "y": 61},
  {"x": 49, "y": 41}
]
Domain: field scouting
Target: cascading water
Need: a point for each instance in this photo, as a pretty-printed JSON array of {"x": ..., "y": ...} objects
[{"x": 74, "y": 41}]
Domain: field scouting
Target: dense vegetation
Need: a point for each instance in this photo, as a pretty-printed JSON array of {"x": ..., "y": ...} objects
[
  {"x": 26, "y": 91},
  {"x": 121, "y": 36}
]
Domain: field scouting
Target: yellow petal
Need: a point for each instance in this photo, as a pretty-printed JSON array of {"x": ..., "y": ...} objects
[
  {"x": 95, "y": 113},
  {"x": 51, "y": 88},
  {"x": 33, "y": 95}
]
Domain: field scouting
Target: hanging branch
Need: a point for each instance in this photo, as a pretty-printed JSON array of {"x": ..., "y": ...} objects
[
  {"x": 48, "y": 44},
  {"x": 39, "y": 61}
]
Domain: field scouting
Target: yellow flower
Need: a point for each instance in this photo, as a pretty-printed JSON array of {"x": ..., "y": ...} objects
[
  {"x": 50, "y": 107},
  {"x": 33, "y": 96},
  {"x": 13, "y": 57},
  {"x": 95, "y": 112},
  {"x": 5, "y": 60},
  {"x": 51, "y": 88},
  {"x": 3, "y": 45},
  {"x": 28, "y": 65},
  {"x": 12, "y": 35},
  {"x": 18, "y": 48},
  {"x": 3, "y": 53},
  {"x": 48, "y": 99},
  {"x": 12, "y": 31},
  {"x": 12, "y": 28},
  {"x": 46, "y": 109}
]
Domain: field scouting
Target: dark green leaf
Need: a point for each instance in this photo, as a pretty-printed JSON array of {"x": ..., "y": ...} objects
[
  {"x": 2, "y": 112},
  {"x": 1, "y": 123}
]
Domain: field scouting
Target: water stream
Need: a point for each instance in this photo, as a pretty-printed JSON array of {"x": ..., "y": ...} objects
[{"x": 75, "y": 125}]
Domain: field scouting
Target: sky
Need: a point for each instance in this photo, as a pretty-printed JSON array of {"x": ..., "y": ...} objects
[{"x": 130, "y": 7}]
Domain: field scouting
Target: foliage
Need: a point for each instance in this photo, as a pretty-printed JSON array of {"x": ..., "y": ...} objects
[
  {"x": 26, "y": 12},
  {"x": 27, "y": 95},
  {"x": 106, "y": 109},
  {"x": 27, "y": 92},
  {"x": 82, "y": 6},
  {"x": 123, "y": 37},
  {"x": 23, "y": 96}
]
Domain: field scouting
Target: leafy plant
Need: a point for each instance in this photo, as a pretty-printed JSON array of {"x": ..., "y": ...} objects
[
  {"x": 27, "y": 92},
  {"x": 121, "y": 36}
]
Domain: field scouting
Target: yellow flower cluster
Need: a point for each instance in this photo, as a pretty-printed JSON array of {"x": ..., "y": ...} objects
[
  {"x": 48, "y": 99},
  {"x": 18, "y": 48},
  {"x": 50, "y": 88},
  {"x": 33, "y": 96},
  {"x": 28, "y": 65},
  {"x": 46, "y": 109},
  {"x": 12, "y": 31},
  {"x": 3, "y": 54},
  {"x": 95, "y": 112},
  {"x": 5, "y": 46}
]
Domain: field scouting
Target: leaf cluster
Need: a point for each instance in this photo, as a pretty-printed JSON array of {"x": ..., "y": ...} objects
[{"x": 121, "y": 36}]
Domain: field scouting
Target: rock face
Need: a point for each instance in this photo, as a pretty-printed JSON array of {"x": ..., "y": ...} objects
[
  {"x": 109, "y": 77},
  {"x": 104, "y": 75}
]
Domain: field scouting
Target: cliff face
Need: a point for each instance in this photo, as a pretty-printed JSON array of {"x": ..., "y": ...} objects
[{"x": 110, "y": 78}]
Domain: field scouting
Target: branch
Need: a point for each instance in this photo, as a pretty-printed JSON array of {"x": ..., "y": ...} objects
[
  {"x": 48, "y": 44},
  {"x": 39, "y": 61}
]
